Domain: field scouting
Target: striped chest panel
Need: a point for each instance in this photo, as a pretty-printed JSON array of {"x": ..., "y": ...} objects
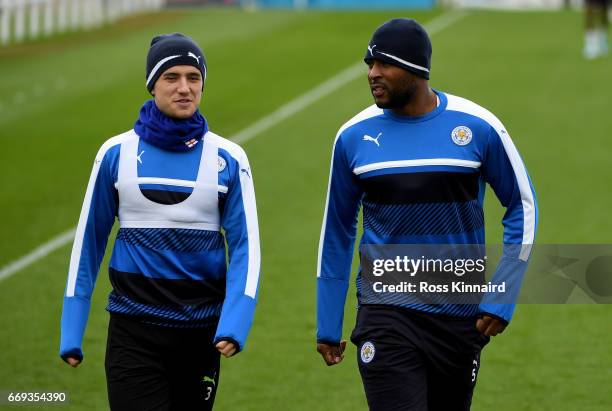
[
  {"x": 417, "y": 181},
  {"x": 179, "y": 240},
  {"x": 420, "y": 204}
]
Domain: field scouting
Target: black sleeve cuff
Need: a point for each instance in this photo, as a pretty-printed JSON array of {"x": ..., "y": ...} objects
[
  {"x": 229, "y": 339},
  {"x": 76, "y": 355}
]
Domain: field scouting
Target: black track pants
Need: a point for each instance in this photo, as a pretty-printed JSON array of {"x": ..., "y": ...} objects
[{"x": 149, "y": 367}]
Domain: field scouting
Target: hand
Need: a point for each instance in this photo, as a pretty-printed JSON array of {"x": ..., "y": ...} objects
[
  {"x": 490, "y": 326},
  {"x": 226, "y": 348},
  {"x": 332, "y": 354},
  {"x": 74, "y": 362}
]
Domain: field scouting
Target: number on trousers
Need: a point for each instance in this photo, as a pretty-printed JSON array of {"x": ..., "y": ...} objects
[
  {"x": 475, "y": 364},
  {"x": 208, "y": 392}
]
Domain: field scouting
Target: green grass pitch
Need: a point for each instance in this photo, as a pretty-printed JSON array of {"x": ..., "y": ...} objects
[{"x": 61, "y": 98}]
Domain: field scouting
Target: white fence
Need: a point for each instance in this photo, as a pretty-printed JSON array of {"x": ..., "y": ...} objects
[{"x": 31, "y": 19}]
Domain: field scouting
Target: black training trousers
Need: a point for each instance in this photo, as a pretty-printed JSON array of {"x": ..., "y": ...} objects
[
  {"x": 149, "y": 367},
  {"x": 414, "y": 361}
]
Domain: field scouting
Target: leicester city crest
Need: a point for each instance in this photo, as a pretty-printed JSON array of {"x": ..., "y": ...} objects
[
  {"x": 367, "y": 352},
  {"x": 220, "y": 164},
  {"x": 461, "y": 135}
]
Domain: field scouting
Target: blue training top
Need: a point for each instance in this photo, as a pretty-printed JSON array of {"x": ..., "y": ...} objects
[
  {"x": 176, "y": 213},
  {"x": 420, "y": 180}
]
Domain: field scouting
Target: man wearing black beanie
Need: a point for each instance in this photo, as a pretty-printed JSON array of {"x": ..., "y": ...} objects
[
  {"x": 417, "y": 162},
  {"x": 176, "y": 305}
]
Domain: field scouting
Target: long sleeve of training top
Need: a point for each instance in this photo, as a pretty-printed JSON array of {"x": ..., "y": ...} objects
[
  {"x": 506, "y": 173},
  {"x": 336, "y": 246},
  {"x": 95, "y": 223},
  {"x": 242, "y": 233}
]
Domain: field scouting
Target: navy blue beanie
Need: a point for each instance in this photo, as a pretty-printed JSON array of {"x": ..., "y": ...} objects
[
  {"x": 169, "y": 50},
  {"x": 403, "y": 43}
]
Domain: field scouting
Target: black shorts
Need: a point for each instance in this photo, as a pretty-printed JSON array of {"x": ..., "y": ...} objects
[
  {"x": 414, "y": 361},
  {"x": 149, "y": 367}
]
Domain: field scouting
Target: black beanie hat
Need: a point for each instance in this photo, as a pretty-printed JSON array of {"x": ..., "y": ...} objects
[
  {"x": 403, "y": 43},
  {"x": 169, "y": 50}
]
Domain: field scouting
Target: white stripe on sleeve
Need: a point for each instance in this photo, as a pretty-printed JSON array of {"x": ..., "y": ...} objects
[
  {"x": 77, "y": 246},
  {"x": 371, "y": 111},
  {"x": 250, "y": 211},
  {"x": 528, "y": 202}
]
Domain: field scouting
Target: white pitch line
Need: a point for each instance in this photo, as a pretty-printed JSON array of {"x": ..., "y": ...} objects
[
  {"x": 329, "y": 86},
  {"x": 265, "y": 123},
  {"x": 444, "y": 20},
  {"x": 298, "y": 104},
  {"x": 38, "y": 253}
]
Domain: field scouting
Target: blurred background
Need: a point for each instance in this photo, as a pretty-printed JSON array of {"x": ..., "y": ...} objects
[{"x": 283, "y": 76}]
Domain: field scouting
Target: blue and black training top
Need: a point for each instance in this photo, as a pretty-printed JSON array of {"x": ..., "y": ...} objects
[
  {"x": 179, "y": 215},
  {"x": 419, "y": 180}
]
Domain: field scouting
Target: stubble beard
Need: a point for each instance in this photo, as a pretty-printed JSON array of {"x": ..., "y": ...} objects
[{"x": 400, "y": 96}]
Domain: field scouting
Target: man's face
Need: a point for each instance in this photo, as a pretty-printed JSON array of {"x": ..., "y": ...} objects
[
  {"x": 391, "y": 86},
  {"x": 178, "y": 91}
]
